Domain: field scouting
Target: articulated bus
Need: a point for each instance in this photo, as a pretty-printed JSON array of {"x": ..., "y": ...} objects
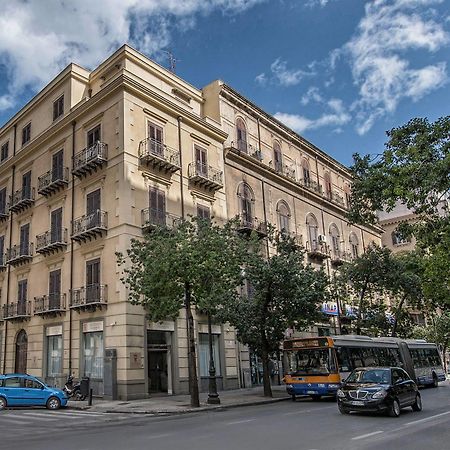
[{"x": 316, "y": 366}]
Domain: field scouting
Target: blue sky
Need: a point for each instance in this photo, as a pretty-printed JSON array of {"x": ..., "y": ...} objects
[{"x": 339, "y": 72}]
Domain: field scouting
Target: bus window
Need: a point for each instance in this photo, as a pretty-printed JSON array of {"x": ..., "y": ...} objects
[
  {"x": 394, "y": 357},
  {"x": 355, "y": 357},
  {"x": 343, "y": 361},
  {"x": 369, "y": 357},
  {"x": 312, "y": 362}
]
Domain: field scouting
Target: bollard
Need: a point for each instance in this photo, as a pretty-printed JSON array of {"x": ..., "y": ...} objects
[{"x": 90, "y": 397}]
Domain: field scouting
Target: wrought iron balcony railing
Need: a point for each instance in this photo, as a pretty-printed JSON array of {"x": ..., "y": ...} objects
[
  {"x": 152, "y": 217},
  {"x": 318, "y": 250},
  {"x": 4, "y": 212},
  {"x": 19, "y": 254},
  {"x": 51, "y": 241},
  {"x": 248, "y": 223},
  {"x": 21, "y": 199},
  {"x": 50, "y": 304},
  {"x": 18, "y": 310},
  {"x": 311, "y": 185},
  {"x": 53, "y": 180},
  {"x": 159, "y": 155},
  {"x": 339, "y": 257},
  {"x": 205, "y": 176},
  {"x": 92, "y": 296},
  {"x": 283, "y": 169},
  {"x": 90, "y": 226},
  {"x": 90, "y": 159},
  {"x": 338, "y": 199}
]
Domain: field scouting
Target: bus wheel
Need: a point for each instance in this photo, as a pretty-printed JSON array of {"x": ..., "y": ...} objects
[
  {"x": 435, "y": 381},
  {"x": 316, "y": 397}
]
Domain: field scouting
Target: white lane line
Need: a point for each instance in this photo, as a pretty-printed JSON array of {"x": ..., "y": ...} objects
[
  {"x": 428, "y": 418},
  {"x": 363, "y": 436},
  {"x": 240, "y": 421},
  {"x": 37, "y": 416},
  {"x": 157, "y": 436},
  {"x": 302, "y": 411},
  {"x": 76, "y": 413}
]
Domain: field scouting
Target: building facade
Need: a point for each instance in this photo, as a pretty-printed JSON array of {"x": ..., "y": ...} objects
[{"x": 95, "y": 159}]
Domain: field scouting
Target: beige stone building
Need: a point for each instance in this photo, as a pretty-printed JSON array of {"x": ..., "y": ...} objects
[{"x": 94, "y": 159}]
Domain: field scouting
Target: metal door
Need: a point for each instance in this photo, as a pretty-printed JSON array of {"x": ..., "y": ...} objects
[{"x": 21, "y": 352}]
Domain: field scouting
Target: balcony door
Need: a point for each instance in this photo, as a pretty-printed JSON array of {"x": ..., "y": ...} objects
[
  {"x": 26, "y": 185},
  {"x": 94, "y": 136},
  {"x": 56, "y": 226},
  {"x": 20, "y": 365},
  {"x": 58, "y": 166},
  {"x": 54, "y": 290},
  {"x": 25, "y": 239},
  {"x": 157, "y": 206},
  {"x": 93, "y": 280},
  {"x": 155, "y": 135},
  {"x": 201, "y": 161},
  {"x": 93, "y": 206},
  {"x": 22, "y": 292}
]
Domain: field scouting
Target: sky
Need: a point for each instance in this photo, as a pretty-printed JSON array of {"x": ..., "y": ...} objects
[{"x": 338, "y": 72}]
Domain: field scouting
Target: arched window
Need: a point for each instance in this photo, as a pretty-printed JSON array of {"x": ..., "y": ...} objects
[
  {"x": 327, "y": 180},
  {"x": 399, "y": 239},
  {"x": 277, "y": 157},
  {"x": 284, "y": 216},
  {"x": 312, "y": 228},
  {"x": 306, "y": 175},
  {"x": 241, "y": 135},
  {"x": 354, "y": 245},
  {"x": 335, "y": 240},
  {"x": 246, "y": 201},
  {"x": 20, "y": 365}
]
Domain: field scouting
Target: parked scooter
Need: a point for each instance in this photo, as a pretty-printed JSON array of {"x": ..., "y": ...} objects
[{"x": 73, "y": 390}]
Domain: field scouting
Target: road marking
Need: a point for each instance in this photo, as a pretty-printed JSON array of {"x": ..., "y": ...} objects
[
  {"x": 428, "y": 418},
  {"x": 75, "y": 413},
  {"x": 240, "y": 421},
  {"x": 157, "y": 436},
  {"x": 363, "y": 436},
  {"x": 39, "y": 416}
]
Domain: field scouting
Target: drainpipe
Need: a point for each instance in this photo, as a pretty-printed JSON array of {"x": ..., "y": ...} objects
[
  {"x": 179, "y": 119},
  {"x": 71, "y": 249}
]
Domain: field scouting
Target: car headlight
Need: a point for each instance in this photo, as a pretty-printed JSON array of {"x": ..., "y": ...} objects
[
  {"x": 334, "y": 386},
  {"x": 340, "y": 393},
  {"x": 379, "y": 394}
]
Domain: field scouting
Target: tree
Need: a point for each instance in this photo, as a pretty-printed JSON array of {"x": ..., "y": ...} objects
[
  {"x": 193, "y": 263},
  {"x": 414, "y": 169},
  {"x": 281, "y": 293}
]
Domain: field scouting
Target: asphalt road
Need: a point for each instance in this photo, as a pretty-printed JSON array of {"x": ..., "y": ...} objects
[{"x": 303, "y": 425}]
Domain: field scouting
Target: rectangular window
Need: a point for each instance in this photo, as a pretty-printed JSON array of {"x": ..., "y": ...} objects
[
  {"x": 93, "y": 355},
  {"x": 26, "y": 134},
  {"x": 58, "y": 166},
  {"x": 93, "y": 205},
  {"x": 155, "y": 134},
  {"x": 54, "y": 289},
  {"x": 93, "y": 281},
  {"x": 2, "y": 250},
  {"x": 26, "y": 185},
  {"x": 4, "y": 152},
  {"x": 94, "y": 136},
  {"x": 58, "y": 107},
  {"x": 203, "y": 212},
  {"x": 54, "y": 356},
  {"x": 201, "y": 161},
  {"x": 22, "y": 292},
  {"x": 3, "y": 201},
  {"x": 157, "y": 206},
  {"x": 25, "y": 239},
  {"x": 203, "y": 354},
  {"x": 56, "y": 226}
]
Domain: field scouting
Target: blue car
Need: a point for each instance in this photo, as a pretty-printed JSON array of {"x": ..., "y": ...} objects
[{"x": 26, "y": 390}]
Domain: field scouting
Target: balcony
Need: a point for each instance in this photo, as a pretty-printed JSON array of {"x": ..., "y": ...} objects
[
  {"x": 297, "y": 238},
  {"x": 311, "y": 185},
  {"x": 247, "y": 224},
  {"x": 90, "y": 226},
  {"x": 338, "y": 199},
  {"x": 243, "y": 147},
  {"x": 51, "y": 304},
  {"x": 4, "y": 213},
  {"x": 17, "y": 311},
  {"x": 159, "y": 156},
  {"x": 21, "y": 200},
  {"x": 152, "y": 218},
  {"x": 317, "y": 250},
  {"x": 283, "y": 169},
  {"x": 52, "y": 181},
  {"x": 205, "y": 176},
  {"x": 89, "y": 297},
  {"x": 19, "y": 254},
  {"x": 90, "y": 159},
  {"x": 339, "y": 257},
  {"x": 51, "y": 241}
]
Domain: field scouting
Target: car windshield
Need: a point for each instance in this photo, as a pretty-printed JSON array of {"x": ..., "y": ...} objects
[
  {"x": 369, "y": 376},
  {"x": 311, "y": 362}
]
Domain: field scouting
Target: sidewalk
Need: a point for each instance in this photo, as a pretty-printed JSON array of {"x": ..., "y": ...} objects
[{"x": 180, "y": 404}]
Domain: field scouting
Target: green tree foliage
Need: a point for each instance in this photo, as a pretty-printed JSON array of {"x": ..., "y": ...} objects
[
  {"x": 414, "y": 169},
  {"x": 195, "y": 263},
  {"x": 281, "y": 293}
]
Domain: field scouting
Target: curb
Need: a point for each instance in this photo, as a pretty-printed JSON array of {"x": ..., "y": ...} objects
[{"x": 185, "y": 411}]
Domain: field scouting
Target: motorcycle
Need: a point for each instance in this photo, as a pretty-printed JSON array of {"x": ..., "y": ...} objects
[{"x": 73, "y": 390}]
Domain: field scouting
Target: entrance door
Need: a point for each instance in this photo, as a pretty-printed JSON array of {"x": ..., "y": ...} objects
[
  {"x": 21, "y": 352},
  {"x": 157, "y": 356}
]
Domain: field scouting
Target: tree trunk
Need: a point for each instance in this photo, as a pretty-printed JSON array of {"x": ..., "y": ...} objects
[
  {"x": 192, "y": 361},
  {"x": 397, "y": 313},
  {"x": 266, "y": 373},
  {"x": 361, "y": 298}
]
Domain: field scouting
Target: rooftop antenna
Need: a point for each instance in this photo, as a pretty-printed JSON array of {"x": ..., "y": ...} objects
[{"x": 172, "y": 60}]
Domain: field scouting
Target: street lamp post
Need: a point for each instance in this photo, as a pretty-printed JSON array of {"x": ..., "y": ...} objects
[{"x": 213, "y": 396}]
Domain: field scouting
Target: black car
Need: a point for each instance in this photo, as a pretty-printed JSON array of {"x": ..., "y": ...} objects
[{"x": 376, "y": 389}]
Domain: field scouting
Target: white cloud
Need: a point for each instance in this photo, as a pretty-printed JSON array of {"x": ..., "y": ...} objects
[
  {"x": 261, "y": 79},
  {"x": 380, "y": 67},
  {"x": 39, "y": 38},
  {"x": 289, "y": 77}
]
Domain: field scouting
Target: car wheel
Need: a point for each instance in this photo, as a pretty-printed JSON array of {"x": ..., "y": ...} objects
[
  {"x": 3, "y": 403},
  {"x": 417, "y": 405},
  {"x": 394, "y": 410},
  {"x": 293, "y": 398},
  {"x": 53, "y": 403},
  {"x": 435, "y": 381},
  {"x": 343, "y": 410},
  {"x": 316, "y": 397}
]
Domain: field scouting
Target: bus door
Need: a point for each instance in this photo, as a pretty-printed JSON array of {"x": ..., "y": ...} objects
[{"x": 407, "y": 360}]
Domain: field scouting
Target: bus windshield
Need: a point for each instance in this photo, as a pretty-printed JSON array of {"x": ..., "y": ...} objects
[{"x": 313, "y": 361}]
